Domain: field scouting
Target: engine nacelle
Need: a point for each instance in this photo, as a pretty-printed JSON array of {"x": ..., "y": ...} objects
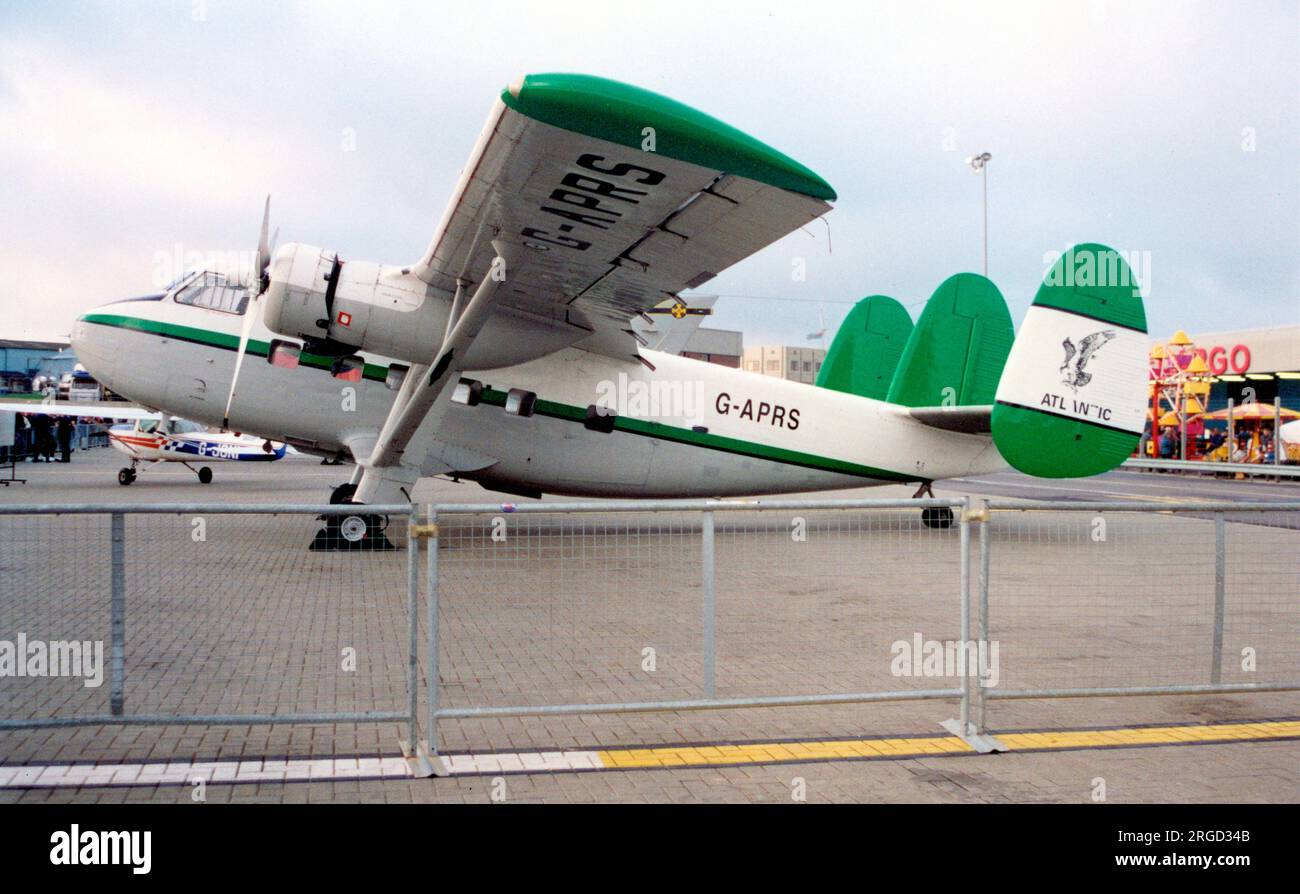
[
  {"x": 381, "y": 310},
  {"x": 370, "y": 307}
]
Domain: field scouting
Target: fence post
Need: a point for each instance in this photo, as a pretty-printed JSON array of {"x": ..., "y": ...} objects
[
  {"x": 431, "y": 621},
  {"x": 117, "y": 616},
  {"x": 413, "y": 630},
  {"x": 706, "y": 565},
  {"x": 982, "y": 717},
  {"x": 964, "y": 528},
  {"x": 1220, "y": 581}
]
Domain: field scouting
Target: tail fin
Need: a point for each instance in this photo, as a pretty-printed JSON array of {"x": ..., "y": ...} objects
[
  {"x": 866, "y": 349},
  {"x": 1072, "y": 399},
  {"x": 956, "y": 352}
]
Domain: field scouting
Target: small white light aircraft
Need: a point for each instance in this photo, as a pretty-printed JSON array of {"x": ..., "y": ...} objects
[
  {"x": 155, "y": 438},
  {"x": 155, "y": 441},
  {"x": 514, "y": 351}
]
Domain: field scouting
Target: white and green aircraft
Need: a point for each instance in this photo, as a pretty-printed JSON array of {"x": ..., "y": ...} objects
[{"x": 517, "y": 352}]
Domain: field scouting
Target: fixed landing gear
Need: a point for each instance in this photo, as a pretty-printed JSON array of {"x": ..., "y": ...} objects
[
  {"x": 933, "y": 516},
  {"x": 351, "y": 532},
  {"x": 126, "y": 476},
  {"x": 342, "y": 494}
]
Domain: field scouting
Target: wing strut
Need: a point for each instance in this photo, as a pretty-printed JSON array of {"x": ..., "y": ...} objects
[{"x": 425, "y": 390}]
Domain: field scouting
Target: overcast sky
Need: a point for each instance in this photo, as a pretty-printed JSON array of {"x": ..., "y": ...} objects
[{"x": 133, "y": 134}]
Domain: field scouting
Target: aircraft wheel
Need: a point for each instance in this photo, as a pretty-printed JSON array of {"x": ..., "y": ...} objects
[
  {"x": 342, "y": 494},
  {"x": 205, "y": 475},
  {"x": 936, "y": 517},
  {"x": 355, "y": 531},
  {"x": 125, "y": 476},
  {"x": 355, "y": 528}
]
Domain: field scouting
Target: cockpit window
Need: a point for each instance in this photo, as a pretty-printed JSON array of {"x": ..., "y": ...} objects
[
  {"x": 213, "y": 292},
  {"x": 180, "y": 280}
]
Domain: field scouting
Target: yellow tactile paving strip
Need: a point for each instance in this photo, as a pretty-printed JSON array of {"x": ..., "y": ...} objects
[{"x": 785, "y": 752}]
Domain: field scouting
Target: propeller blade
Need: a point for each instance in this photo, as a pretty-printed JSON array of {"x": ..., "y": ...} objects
[
  {"x": 256, "y": 287},
  {"x": 263, "y": 248},
  {"x": 249, "y": 313}
]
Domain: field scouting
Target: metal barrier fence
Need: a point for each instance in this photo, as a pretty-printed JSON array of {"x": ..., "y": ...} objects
[
  {"x": 687, "y": 605},
  {"x": 1213, "y": 467},
  {"x": 1119, "y": 604},
  {"x": 215, "y": 606},
  {"x": 554, "y": 609}
]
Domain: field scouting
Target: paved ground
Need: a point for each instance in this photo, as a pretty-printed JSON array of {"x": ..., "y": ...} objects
[{"x": 568, "y": 609}]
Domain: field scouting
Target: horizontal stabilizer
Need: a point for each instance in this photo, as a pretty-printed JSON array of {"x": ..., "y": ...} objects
[{"x": 974, "y": 420}]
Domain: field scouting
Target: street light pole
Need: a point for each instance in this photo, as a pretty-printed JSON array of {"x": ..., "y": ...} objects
[{"x": 979, "y": 165}]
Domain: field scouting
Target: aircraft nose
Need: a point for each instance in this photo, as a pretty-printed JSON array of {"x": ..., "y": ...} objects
[{"x": 89, "y": 340}]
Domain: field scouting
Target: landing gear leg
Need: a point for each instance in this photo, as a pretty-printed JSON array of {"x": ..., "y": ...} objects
[{"x": 933, "y": 516}]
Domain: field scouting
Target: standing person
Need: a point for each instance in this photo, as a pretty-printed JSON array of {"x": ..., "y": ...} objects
[
  {"x": 1167, "y": 444},
  {"x": 65, "y": 428},
  {"x": 42, "y": 444},
  {"x": 21, "y": 430}
]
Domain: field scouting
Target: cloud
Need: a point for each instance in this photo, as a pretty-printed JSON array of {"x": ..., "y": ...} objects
[{"x": 130, "y": 129}]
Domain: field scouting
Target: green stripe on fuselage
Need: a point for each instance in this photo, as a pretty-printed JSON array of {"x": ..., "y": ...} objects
[
  {"x": 548, "y": 408},
  {"x": 223, "y": 340},
  {"x": 651, "y": 429}
]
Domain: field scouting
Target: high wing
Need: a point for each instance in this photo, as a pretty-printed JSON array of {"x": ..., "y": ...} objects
[
  {"x": 615, "y": 198},
  {"x": 584, "y": 204}
]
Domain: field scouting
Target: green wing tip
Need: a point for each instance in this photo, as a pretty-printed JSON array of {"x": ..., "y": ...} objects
[{"x": 618, "y": 112}]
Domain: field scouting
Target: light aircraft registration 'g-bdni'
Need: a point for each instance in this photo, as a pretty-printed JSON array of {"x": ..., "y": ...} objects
[{"x": 512, "y": 353}]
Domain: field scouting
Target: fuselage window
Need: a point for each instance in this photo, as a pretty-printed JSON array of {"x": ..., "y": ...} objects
[{"x": 211, "y": 291}]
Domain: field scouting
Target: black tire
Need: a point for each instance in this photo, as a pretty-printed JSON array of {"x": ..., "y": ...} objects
[
  {"x": 342, "y": 494},
  {"x": 125, "y": 477},
  {"x": 205, "y": 475},
  {"x": 936, "y": 517}
]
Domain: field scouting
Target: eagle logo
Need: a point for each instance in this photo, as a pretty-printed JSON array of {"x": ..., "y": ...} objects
[{"x": 1077, "y": 358}]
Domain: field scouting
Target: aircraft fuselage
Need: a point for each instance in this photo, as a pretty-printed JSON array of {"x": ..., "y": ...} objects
[{"x": 684, "y": 429}]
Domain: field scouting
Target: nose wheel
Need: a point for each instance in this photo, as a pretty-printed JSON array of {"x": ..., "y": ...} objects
[{"x": 126, "y": 476}]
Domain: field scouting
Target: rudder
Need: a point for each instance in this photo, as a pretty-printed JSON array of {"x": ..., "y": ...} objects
[{"x": 955, "y": 354}]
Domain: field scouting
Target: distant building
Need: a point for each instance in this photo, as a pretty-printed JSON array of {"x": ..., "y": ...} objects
[
  {"x": 1262, "y": 364},
  {"x": 21, "y": 360},
  {"x": 783, "y": 361},
  {"x": 721, "y": 346}
]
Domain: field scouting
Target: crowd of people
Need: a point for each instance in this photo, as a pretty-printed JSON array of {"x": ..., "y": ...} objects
[
  {"x": 1213, "y": 445},
  {"x": 38, "y": 437}
]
